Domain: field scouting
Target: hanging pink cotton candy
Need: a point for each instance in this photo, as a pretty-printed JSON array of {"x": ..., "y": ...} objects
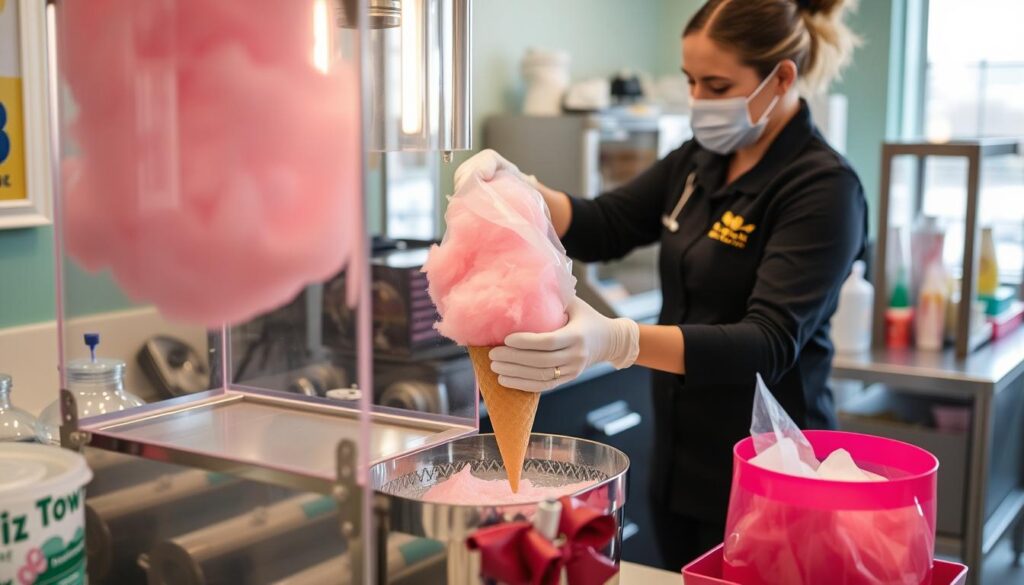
[
  {"x": 500, "y": 268},
  {"x": 215, "y": 167}
]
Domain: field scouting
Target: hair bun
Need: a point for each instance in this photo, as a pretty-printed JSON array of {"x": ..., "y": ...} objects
[{"x": 814, "y": 7}]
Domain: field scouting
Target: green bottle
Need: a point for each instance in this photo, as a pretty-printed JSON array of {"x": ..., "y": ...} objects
[{"x": 900, "y": 297}]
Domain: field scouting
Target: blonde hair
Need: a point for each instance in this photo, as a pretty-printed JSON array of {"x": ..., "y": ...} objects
[{"x": 811, "y": 33}]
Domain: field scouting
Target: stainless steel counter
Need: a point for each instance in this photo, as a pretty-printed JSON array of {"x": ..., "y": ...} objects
[
  {"x": 991, "y": 368},
  {"x": 980, "y": 379}
]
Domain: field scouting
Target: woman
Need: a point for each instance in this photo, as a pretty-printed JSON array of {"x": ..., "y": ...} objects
[{"x": 759, "y": 221}]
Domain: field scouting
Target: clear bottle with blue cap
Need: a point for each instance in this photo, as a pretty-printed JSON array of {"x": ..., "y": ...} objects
[
  {"x": 15, "y": 424},
  {"x": 98, "y": 388}
]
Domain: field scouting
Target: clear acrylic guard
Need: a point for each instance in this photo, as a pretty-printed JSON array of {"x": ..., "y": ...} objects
[{"x": 208, "y": 163}]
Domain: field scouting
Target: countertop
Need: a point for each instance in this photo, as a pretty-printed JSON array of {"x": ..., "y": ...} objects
[
  {"x": 630, "y": 574},
  {"x": 991, "y": 367}
]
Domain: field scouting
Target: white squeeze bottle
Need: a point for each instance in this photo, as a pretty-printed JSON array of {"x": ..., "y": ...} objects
[{"x": 851, "y": 325}]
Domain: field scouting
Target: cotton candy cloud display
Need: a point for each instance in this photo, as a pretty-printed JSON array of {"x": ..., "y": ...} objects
[
  {"x": 215, "y": 161},
  {"x": 500, "y": 268}
]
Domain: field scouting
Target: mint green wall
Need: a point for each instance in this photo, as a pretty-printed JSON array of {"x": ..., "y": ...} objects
[
  {"x": 601, "y": 35},
  {"x": 866, "y": 86},
  {"x": 26, "y": 281},
  {"x": 674, "y": 16},
  {"x": 26, "y": 276}
]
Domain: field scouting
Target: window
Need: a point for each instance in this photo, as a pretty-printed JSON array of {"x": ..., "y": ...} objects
[
  {"x": 975, "y": 74},
  {"x": 974, "y": 88}
]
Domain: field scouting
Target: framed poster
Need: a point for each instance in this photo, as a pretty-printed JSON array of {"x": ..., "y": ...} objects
[{"x": 25, "y": 196}]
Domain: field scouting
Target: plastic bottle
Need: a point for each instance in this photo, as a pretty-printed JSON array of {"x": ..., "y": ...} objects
[
  {"x": 15, "y": 423},
  {"x": 851, "y": 325},
  {"x": 988, "y": 268},
  {"x": 899, "y": 316},
  {"x": 98, "y": 387},
  {"x": 929, "y": 326},
  {"x": 926, "y": 242}
]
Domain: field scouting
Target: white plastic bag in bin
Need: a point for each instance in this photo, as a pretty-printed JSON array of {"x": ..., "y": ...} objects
[{"x": 779, "y": 444}]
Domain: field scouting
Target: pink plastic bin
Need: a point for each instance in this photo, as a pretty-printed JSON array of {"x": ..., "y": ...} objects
[
  {"x": 788, "y": 529},
  {"x": 707, "y": 570}
]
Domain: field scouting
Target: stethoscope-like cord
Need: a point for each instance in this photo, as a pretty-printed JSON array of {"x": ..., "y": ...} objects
[{"x": 671, "y": 221}]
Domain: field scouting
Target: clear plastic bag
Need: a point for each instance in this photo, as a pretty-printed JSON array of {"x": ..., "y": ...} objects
[
  {"x": 500, "y": 268},
  {"x": 778, "y": 441}
]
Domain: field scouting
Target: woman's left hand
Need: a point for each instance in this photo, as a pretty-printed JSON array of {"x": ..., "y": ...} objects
[{"x": 537, "y": 362}]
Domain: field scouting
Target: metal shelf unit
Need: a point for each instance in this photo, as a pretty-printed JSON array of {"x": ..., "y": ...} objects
[
  {"x": 974, "y": 151},
  {"x": 987, "y": 379}
]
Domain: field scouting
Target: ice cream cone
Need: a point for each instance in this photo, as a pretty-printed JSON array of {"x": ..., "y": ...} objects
[{"x": 511, "y": 412}]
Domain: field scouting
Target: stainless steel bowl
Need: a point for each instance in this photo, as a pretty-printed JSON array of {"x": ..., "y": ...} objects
[{"x": 551, "y": 460}]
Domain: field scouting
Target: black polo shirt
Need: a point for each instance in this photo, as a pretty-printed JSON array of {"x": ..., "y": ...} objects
[{"x": 751, "y": 277}]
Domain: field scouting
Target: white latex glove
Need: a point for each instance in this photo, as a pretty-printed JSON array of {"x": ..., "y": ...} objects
[
  {"x": 537, "y": 362},
  {"x": 486, "y": 164}
]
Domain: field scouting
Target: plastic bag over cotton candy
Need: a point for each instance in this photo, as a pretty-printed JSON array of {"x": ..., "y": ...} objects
[
  {"x": 500, "y": 268},
  {"x": 779, "y": 443},
  {"x": 213, "y": 166},
  {"x": 864, "y": 516}
]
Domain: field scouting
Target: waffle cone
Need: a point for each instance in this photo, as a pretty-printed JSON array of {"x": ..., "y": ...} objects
[{"x": 511, "y": 412}]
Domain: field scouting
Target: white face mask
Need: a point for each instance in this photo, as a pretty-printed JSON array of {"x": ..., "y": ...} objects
[{"x": 724, "y": 125}]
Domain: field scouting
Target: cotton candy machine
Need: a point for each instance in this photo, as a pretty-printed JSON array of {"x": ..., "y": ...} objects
[
  {"x": 203, "y": 188},
  {"x": 551, "y": 460}
]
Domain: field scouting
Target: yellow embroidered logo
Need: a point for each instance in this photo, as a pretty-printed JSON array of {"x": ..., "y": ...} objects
[{"x": 731, "y": 230}]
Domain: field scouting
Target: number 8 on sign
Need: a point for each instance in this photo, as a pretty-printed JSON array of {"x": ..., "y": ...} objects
[{"x": 5, "y": 141}]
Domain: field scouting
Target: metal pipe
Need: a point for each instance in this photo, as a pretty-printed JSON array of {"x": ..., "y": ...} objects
[
  {"x": 456, "y": 75},
  {"x": 420, "y": 79},
  {"x": 407, "y": 555},
  {"x": 204, "y": 555},
  {"x": 380, "y": 14}
]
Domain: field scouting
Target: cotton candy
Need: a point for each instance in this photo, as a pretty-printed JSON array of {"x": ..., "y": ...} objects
[
  {"x": 464, "y": 488},
  {"x": 840, "y": 466},
  {"x": 775, "y": 544},
  {"x": 782, "y": 457},
  {"x": 500, "y": 268},
  {"x": 215, "y": 169}
]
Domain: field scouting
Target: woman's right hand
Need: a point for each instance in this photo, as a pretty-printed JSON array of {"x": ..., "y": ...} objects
[{"x": 485, "y": 164}]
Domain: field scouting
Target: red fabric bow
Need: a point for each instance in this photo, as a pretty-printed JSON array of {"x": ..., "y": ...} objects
[{"x": 516, "y": 554}]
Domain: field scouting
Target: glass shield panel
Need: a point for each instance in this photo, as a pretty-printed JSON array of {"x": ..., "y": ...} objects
[{"x": 208, "y": 183}]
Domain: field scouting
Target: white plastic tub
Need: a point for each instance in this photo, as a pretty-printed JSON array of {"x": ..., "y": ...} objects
[{"x": 42, "y": 515}]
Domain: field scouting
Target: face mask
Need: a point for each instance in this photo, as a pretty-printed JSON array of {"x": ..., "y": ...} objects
[{"x": 724, "y": 125}]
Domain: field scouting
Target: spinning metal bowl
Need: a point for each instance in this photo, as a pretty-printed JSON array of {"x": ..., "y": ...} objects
[{"x": 551, "y": 460}]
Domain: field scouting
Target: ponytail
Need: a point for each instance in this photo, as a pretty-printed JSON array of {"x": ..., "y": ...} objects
[{"x": 831, "y": 41}]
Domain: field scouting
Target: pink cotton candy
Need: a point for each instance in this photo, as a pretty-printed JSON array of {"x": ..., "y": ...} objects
[
  {"x": 772, "y": 544},
  {"x": 464, "y": 488},
  {"x": 215, "y": 169},
  {"x": 500, "y": 268}
]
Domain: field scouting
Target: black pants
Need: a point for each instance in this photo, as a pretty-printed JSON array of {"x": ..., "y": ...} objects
[{"x": 682, "y": 539}]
